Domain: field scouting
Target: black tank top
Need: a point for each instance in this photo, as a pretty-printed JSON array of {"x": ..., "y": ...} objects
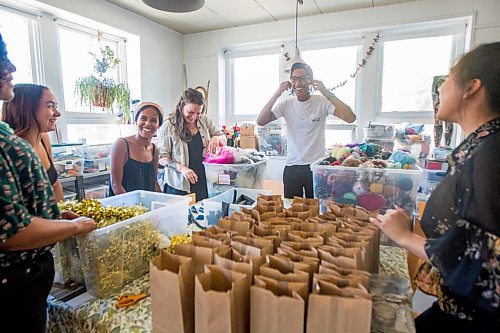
[
  {"x": 138, "y": 175},
  {"x": 51, "y": 172},
  {"x": 195, "y": 149}
]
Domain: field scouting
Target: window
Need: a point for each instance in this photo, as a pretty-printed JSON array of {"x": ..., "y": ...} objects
[
  {"x": 77, "y": 45},
  {"x": 252, "y": 78},
  {"x": 16, "y": 30},
  {"x": 255, "y": 79},
  {"x": 409, "y": 66},
  {"x": 333, "y": 65}
]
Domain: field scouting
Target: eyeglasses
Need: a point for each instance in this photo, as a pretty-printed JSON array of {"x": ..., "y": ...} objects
[{"x": 303, "y": 78}]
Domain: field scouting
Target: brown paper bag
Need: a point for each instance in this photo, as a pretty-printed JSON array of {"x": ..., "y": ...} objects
[
  {"x": 276, "y": 240},
  {"x": 329, "y": 268},
  {"x": 264, "y": 245},
  {"x": 285, "y": 274},
  {"x": 338, "y": 259},
  {"x": 276, "y": 307},
  {"x": 217, "y": 233},
  {"x": 222, "y": 301},
  {"x": 300, "y": 248},
  {"x": 338, "y": 310},
  {"x": 240, "y": 227},
  {"x": 244, "y": 253},
  {"x": 205, "y": 241},
  {"x": 172, "y": 293},
  {"x": 342, "y": 281},
  {"x": 201, "y": 255},
  {"x": 356, "y": 252},
  {"x": 313, "y": 238},
  {"x": 231, "y": 264},
  {"x": 312, "y": 262},
  {"x": 311, "y": 225},
  {"x": 273, "y": 197},
  {"x": 366, "y": 237}
]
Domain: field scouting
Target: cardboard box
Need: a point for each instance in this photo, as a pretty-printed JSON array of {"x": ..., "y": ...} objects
[
  {"x": 249, "y": 142},
  {"x": 247, "y": 130}
]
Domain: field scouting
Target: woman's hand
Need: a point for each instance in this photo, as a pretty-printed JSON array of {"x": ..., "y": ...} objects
[
  {"x": 69, "y": 215},
  {"x": 189, "y": 175},
  {"x": 395, "y": 224},
  {"x": 84, "y": 225},
  {"x": 214, "y": 144}
]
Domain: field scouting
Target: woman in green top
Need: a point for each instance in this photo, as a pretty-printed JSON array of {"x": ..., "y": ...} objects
[{"x": 30, "y": 223}]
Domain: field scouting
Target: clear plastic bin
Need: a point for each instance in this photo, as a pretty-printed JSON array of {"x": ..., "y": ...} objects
[
  {"x": 378, "y": 132},
  {"x": 97, "y": 192},
  {"x": 431, "y": 180},
  {"x": 387, "y": 144},
  {"x": 96, "y": 165},
  {"x": 68, "y": 159},
  {"x": 116, "y": 255},
  {"x": 94, "y": 152},
  {"x": 367, "y": 187},
  {"x": 213, "y": 206},
  {"x": 223, "y": 177}
]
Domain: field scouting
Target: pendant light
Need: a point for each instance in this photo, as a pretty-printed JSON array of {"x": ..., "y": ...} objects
[
  {"x": 296, "y": 53},
  {"x": 175, "y": 6}
]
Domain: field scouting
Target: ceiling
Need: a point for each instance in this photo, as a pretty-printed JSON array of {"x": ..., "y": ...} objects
[{"x": 221, "y": 14}]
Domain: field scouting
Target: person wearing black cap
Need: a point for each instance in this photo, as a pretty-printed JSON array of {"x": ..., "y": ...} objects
[{"x": 305, "y": 117}]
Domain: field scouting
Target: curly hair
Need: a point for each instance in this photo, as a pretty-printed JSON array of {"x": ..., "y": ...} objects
[
  {"x": 20, "y": 112},
  {"x": 176, "y": 118}
]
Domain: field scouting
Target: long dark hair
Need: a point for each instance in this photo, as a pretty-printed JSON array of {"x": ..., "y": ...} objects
[
  {"x": 189, "y": 96},
  {"x": 20, "y": 112},
  {"x": 482, "y": 63}
]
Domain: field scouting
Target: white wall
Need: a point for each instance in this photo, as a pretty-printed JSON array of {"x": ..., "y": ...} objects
[{"x": 202, "y": 50}]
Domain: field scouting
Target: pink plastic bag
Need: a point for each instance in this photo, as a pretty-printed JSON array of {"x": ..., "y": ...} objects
[{"x": 224, "y": 155}]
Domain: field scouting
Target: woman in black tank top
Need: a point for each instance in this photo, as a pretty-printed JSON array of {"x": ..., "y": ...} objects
[
  {"x": 134, "y": 159},
  {"x": 32, "y": 114}
]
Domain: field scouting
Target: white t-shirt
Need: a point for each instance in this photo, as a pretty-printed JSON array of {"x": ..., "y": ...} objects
[{"x": 305, "y": 122}]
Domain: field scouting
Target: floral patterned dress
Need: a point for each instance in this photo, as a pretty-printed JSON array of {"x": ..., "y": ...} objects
[{"x": 462, "y": 224}]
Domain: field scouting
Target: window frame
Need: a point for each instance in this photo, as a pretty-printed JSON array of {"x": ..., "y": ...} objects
[
  {"x": 76, "y": 116},
  {"x": 229, "y": 56},
  {"x": 33, "y": 18},
  {"x": 368, "y": 90},
  {"x": 457, "y": 28}
]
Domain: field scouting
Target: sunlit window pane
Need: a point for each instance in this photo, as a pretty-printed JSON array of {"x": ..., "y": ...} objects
[
  {"x": 15, "y": 32},
  {"x": 408, "y": 69},
  {"x": 77, "y": 62},
  {"x": 255, "y": 80},
  {"x": 93, "y": 133},
  {"x": 335, "y": 65}
]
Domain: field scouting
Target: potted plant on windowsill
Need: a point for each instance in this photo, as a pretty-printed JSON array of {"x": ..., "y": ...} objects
[{"x": 101, "y": 91}]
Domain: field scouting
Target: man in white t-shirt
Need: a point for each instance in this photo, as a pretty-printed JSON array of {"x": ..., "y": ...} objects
[{"x": 305, "y": 117}]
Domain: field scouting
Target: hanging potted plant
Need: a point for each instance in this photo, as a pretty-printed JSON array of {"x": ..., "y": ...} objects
[{"x": 101, "y": 91}]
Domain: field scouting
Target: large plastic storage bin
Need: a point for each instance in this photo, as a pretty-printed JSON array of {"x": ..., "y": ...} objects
[
  {"x": 116, "y": 255},
  {"x": 367, "y": 187},
  {"x": 67, "y": 159},
  {"x": 431, "y": 180},
  {"x": 223, "y": 177},
  {"x": 213, "y": 208}
]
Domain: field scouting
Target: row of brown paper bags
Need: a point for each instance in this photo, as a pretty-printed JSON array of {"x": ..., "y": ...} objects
[
  {"x": 222, "y": 299},
  {"x": 358, "y": 239}
]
